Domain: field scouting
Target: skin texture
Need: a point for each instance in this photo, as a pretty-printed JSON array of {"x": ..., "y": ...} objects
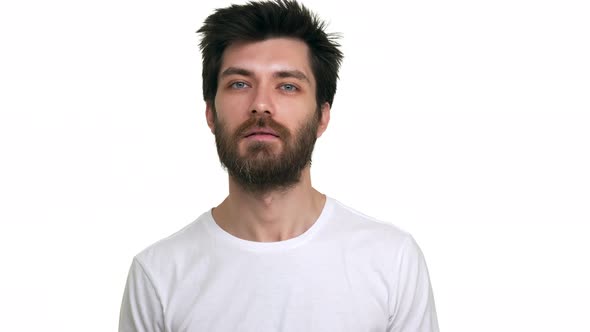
[{"x": 271, "y": 83}]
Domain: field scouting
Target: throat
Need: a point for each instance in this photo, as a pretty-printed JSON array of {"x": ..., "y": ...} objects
[{"x": 270, "y": 220}]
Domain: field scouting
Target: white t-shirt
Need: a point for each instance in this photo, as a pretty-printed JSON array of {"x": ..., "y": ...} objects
[{"x": 348, "y": 272}]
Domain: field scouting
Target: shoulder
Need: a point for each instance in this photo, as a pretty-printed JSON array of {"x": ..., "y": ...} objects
[
  {"x": 175, "y": 248},
  {"x": 361, "y": 225}
]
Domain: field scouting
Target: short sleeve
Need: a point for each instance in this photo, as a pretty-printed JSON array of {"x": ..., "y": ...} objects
[
  {"x": 141, "y": 309},
  {"x": 412, "y": 303}
]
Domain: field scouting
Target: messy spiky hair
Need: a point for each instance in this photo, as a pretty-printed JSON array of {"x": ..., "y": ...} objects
[{"x": 257, "y": 21}]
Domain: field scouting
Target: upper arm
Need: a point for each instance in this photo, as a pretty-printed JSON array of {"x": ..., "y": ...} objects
[
  {"x": 412, "y": 304},
  {"x": 141, "y": 309}
]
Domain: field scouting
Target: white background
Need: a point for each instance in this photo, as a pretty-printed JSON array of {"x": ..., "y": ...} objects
[{"x": 463, "y": 122}]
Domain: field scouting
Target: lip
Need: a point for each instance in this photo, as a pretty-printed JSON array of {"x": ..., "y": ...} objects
[{"x": 261, "y": 131}]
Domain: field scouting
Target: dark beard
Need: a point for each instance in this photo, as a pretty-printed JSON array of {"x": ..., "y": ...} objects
[{"x": 261, "y": 170}]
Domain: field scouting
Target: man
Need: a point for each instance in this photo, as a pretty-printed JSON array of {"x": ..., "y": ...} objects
[{"x": 276, "y": 254}]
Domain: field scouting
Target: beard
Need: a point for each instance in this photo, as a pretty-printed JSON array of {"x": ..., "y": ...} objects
[{"x": 266, "y": 165}]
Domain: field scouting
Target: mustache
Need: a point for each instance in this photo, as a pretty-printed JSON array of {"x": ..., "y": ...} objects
[{"x": 256, "y": 122}]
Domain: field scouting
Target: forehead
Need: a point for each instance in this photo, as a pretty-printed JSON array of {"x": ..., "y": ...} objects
[{"x": 268, "y": 56}]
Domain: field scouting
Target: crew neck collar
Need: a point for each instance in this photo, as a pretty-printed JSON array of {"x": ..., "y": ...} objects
[{"x": 223, "y": 236}]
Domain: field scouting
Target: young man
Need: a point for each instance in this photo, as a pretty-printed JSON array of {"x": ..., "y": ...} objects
[{"x": 276, "y": 254}]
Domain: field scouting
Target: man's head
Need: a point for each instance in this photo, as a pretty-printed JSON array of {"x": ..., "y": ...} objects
[
  {"x": 258, "y": 21},
  {"x": 267, "y": 67}
]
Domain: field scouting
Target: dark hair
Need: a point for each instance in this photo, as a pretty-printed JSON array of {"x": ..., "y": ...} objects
[{"x": 256, "y": 21}]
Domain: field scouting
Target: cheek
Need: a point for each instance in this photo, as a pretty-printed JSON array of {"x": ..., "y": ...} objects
[
  {"x": 230, "y": 111},
  {"x": 234, "y": 99},
  {"x": 295, "y": 113}
]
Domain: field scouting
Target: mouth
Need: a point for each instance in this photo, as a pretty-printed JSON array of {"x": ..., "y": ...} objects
[
  {"x": 261, "y": 136},
  {"x": 261, "y": 133}
]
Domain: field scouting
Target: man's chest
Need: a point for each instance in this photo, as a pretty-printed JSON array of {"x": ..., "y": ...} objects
[{"x": 327, "y": 292}]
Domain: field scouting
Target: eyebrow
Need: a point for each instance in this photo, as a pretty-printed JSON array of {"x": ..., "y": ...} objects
[
  {"x": 236, "y": 71},
  {"x": 297, "y": 74},
  {"x": 292, "y": 73}
]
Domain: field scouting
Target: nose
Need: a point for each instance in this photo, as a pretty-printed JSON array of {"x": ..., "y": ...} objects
[{"x": 262, "y": 101}]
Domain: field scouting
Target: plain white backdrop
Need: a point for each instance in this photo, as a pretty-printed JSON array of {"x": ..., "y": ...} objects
[{"x": 466, "y": 123}]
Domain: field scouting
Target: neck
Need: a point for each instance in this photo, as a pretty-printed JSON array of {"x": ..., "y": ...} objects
[{"x": 271, "y": 216}]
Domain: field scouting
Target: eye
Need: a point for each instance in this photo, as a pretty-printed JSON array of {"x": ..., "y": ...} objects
[
  {"x": 238, "y": 85},
  {"x": 289, "y": 87}
]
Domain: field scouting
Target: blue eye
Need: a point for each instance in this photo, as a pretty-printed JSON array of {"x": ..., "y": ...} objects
[
  {"x": 289, "y": 87},
  {"x": 238, "y": 85}
]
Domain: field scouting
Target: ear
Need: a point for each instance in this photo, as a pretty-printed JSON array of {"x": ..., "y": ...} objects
[
  {"x": 209, "y": 114},
  {"x": 325, "y": 119}
]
